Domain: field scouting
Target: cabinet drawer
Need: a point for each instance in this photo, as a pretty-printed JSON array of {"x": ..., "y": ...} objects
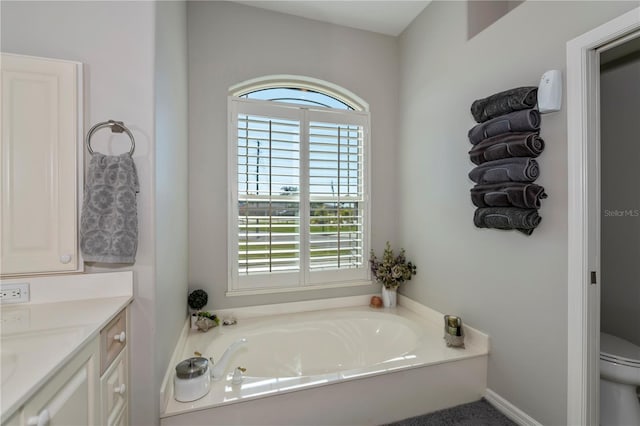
[
  {"x": 114, "y": 387},
  {"x": 112, "y": 340}
]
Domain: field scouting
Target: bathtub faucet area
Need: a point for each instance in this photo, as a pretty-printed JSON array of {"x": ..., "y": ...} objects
[{"x": 220, "y": 367}]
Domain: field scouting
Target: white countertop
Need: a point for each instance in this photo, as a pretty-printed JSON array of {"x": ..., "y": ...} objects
[{"x": 38, "y": 339}]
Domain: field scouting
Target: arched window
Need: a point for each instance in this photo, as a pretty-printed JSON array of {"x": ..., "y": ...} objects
[
  {"x": 298, "y": 186},
  {"x": 296, "y": 95},
  {"x": 300, "y": 89}
]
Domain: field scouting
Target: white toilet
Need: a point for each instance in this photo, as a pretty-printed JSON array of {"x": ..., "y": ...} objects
[{"x": 619, "y": 381}]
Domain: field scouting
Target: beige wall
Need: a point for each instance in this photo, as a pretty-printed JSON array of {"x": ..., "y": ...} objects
[
  {"x": 230, "y": 43},
  {"x": 509, "y": 285},
  {"x": 171, "y": 172},
  {"x": 620, "y": 199}
]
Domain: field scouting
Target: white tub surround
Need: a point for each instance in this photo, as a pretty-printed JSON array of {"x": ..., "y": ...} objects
[
  {"x": 376, "y": 365},
  {"x": 40, "y": 337}
]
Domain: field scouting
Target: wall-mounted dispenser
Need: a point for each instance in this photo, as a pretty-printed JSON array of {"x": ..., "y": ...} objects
[{"x": 550, "y": 92}]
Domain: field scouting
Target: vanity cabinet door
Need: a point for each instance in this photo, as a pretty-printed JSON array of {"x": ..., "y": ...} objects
[
  {"x": 71, "y": 397},
  {"x": 115, "y": 392},
  {"x": 39, "y": 165}
]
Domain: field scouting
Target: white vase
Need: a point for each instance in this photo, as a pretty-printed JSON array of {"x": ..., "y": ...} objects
[
  {"x": 194, "y": 318},
  {"x": 389, "y": 296}
]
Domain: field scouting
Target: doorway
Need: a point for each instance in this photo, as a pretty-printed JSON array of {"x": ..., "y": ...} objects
[
  {"x": 584, "y": 213},
  {"x": 620, "y": 198}
]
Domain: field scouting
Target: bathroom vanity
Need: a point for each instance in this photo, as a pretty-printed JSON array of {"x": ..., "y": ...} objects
[{"x": 65, "y": 354}]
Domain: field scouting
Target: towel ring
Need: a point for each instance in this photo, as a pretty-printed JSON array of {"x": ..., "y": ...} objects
[{"x": 116, "y": 127}]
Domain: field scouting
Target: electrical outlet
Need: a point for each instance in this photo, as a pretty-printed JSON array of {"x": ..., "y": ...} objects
[{"x": 14, "y": 293}]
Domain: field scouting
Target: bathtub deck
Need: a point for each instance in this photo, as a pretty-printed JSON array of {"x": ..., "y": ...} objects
[{"x": 428, "y": 379}]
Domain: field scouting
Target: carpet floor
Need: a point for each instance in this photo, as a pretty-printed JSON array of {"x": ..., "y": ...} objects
[{"x": 479, "y": 413}]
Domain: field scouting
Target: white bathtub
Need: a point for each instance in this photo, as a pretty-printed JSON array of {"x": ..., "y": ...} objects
[{"x": 349, "y": 365}]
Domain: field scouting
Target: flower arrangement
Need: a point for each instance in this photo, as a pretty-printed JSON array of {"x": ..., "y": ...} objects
[{"x": 391, "y": 270}]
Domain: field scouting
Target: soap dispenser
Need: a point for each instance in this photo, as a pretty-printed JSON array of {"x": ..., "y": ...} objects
[{"x": 550, "y": 92}]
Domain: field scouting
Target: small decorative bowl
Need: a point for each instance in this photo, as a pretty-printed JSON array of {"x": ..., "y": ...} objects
[{"x": 376, "y": 302}]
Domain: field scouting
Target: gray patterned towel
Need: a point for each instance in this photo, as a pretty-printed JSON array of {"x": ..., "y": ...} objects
[{"x": 109, "y": 223}]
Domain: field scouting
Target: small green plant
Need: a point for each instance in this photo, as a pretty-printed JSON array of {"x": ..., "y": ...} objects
[{"x": 209, "y": 315}]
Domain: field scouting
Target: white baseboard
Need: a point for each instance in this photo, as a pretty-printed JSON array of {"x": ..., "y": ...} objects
[{"x": 510, "y": 410}]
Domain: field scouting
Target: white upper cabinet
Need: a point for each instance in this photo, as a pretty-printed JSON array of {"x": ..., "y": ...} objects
[{"x": 39, "y": 172}]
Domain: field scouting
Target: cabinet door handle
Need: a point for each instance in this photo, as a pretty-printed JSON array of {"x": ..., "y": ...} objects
[
  {"x": 120, "y": 337},
  {"x": 65, "y": 258},
  {"x": 41, "y": 419},
  {"x": 120, "y": 390}
]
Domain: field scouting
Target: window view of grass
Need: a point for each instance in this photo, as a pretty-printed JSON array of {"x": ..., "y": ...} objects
[{"x": 268, "y": 238}]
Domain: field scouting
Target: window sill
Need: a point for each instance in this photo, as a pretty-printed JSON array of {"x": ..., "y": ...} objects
[{"x": 251, "y": 292}]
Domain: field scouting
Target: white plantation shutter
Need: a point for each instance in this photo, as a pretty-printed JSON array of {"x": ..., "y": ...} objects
[
  {"x": 268, "y": 216},
  {"x": 336, "y": 193},
  {"x": 298, "y": 196}
]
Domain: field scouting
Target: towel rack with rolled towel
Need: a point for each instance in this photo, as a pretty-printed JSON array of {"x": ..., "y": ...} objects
[
  {"x": 109, "y": 219},
  {"x": 505, "y": 142},
  {"x": 116, "y": 127}
]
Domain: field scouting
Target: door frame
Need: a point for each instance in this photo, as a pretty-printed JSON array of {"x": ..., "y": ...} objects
[{"x": 583, "y": 144}]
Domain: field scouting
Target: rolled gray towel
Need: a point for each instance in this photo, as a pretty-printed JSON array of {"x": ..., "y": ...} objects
[
  {"x": 508, "y": 194},
  {"x": 527, "y": 120},
  {"x": 506, "y": 145},
  {"x": 523, "y": 220},
  {"x": 517, "y": 169},
  {"x": 504, "y": 103}
]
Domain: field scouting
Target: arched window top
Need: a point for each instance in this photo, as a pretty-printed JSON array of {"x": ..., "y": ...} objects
[
  {"x": 296, "y": 95},
  {"x": 299, "y": 90}
]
